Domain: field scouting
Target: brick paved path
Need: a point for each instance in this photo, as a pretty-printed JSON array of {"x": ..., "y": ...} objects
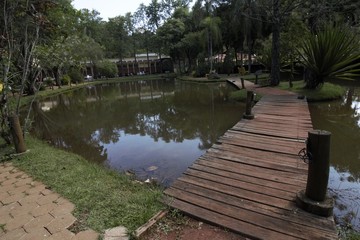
[{"x": 30, "y": 211}]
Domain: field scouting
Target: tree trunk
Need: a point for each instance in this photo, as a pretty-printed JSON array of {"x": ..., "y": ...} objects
[
  {"x": 275, "y": 56},
  {"x": 17, "y": 133}
]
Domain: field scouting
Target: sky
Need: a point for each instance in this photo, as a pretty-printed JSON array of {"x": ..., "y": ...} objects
[{"x": 110, "y": 8}]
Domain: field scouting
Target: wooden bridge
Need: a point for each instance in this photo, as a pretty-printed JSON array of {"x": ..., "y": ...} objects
[{"x": 247, "y": 181}]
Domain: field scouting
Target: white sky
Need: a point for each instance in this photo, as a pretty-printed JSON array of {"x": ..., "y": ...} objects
[{"x": 110, "y": 8}]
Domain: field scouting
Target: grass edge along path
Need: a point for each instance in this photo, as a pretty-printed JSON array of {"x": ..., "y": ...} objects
[{"x": 103, "y": 198}]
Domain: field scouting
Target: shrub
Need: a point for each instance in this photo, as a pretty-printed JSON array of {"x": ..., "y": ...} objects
[
  {"x": 65, "y": 80},
  {"x": 75, "y": 75},
  {"x": 107, "y": 69},
  {"x": 201, "y": 70}
]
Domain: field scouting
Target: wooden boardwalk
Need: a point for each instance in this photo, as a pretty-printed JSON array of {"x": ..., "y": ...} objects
[{"x": 247, "y": 182}]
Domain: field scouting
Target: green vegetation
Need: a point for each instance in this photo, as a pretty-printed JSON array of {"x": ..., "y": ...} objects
[
  {"x": 107, "y": 68},
  {"x": 241, "y": 95},
  {"x": 332, "y": 52},
  {"x": 103, "y": 198},
  {"x": 328, "y": 91}
]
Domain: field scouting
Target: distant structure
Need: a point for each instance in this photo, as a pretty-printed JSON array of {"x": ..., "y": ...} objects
[{"x": 140, "y": 65}]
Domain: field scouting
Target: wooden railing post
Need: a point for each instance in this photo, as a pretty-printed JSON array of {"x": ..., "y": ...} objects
[
  {"x": 319, "y": 164},
  {"x": 314, "y": 198},
  {"x": 249, "y": 102}
]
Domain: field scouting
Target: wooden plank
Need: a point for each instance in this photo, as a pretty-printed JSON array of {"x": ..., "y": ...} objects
[
  {"x": 262, "y": 159},
  {"x": 241, "y": 184},
  {"x": 277, "y": 227},
  {"x": 276, "y": 181},
  {"x": 248, "y": 180},
  {"x": 241, "y": 227},
  {"x": 294, "y": 215}
]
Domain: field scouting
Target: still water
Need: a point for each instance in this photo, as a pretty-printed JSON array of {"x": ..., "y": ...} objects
[
  {"x": 342, "y": 119},
  {"x": 153, "y": 129}
]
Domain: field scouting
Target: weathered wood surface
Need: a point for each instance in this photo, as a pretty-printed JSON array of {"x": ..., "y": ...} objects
[{"x": 248, "y": 181}]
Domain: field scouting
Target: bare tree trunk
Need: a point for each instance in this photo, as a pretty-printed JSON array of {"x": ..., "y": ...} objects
[
  {"x": 17, "y": 133},
  {"x": 275, "y": 56}
]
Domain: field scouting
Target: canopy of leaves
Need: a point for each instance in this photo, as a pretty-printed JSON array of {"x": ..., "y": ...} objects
[{"x": 333, "y": 52}]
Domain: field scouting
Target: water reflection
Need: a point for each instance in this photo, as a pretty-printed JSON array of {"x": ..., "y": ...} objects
[
  {"x": 342, "y": 119},
  {"x": 154, "y": 128}
]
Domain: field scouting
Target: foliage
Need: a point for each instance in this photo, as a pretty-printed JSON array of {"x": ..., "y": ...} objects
[
  {"x": 106, "y": 68},
  {"x": 65, "y": 80},
  {"x": 75, "y": 75},
  {"x": 333, "y": 52},
  {"x": 241, "y": 95},
  {"x": 103, "y": 199},
  {"x": 201, "y": 70},
  {"x": 328, "y": 91}
]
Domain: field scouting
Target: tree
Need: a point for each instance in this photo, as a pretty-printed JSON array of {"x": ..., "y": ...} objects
[
  {"x": 106, "y": 68},
  {"x": 332, "y": 52},
  {"x": 21, "y": 21}
]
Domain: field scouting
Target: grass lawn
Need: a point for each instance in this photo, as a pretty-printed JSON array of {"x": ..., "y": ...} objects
[
  {"x": 103, "y": 198},
  {"x": 327, "y": 92}
]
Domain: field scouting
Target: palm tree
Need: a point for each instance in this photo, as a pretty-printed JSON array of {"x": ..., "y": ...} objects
[{"x": 333, "y": 52}]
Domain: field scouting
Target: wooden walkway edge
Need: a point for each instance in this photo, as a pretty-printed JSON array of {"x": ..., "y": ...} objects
[{"x": 248, "y": 181}]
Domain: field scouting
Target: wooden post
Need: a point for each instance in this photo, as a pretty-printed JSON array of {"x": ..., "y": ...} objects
[
  {"x": 17, "y": 134},
  {"x": 242, "y": 83},
  {"x": 249, "y": 101},
  {"x": 318, "y": 148}
]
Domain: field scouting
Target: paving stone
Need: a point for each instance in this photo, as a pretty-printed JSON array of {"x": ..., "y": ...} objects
[
  {"x": 7, "y": 188},
  {"x": 14, "y": 234},
  {"x": 5, "y": 218},
  {"x": 35, "y": 189},
  {"x": 59, "y": 223},
  {"x": 61, "y": 201},
  {"x": 39, "y": 222},
  {"x": 43, "y": 209},
  {"x": 13, "y": 198},
  {"x": 118, "y": 233},
  {"x": 31, "y": 198},
  {"x": 20, "y": 189},
  {"x": 5, "y": 173},
  {"x": 4, "y": 176},
  {"x": 23, "y": 209},
  {"x": 63, "y": 235},
  {"x": 18, "y": 222},
  {"x": 39, "y": 234},
  {"x": 48, "y": 199},
  {"x": 63, "y": 209},
  {"x": 46, "y": 191},
  {"x": 22, "y": 182},
  {"x": 87, "y": 235},
  {"x": 7, "y": 208},
  {"x": 9, "y": 182},
  {"x": 3, "y": 195}
]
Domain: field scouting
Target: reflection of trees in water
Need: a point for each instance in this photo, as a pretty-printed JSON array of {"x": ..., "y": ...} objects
[
  {"x": 342, "y": 118},
  {"x": 85, "y": 119}
]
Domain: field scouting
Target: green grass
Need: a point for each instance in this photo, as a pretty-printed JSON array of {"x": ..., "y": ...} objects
[
  {"x": 103, "y": 198},
  {"x": 241, "y": 95},
  {"x": 327, "y": 92}
]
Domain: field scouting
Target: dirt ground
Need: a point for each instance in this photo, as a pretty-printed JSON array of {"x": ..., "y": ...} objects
[{"x": 176, "y": 226}]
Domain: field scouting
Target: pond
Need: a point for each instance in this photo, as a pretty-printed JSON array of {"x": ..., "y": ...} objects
[
  {"x": 153, "y": 129},
  {"x": 342, "y": 119}
]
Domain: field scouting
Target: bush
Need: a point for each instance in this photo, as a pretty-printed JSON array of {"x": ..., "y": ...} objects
[
  {"x": 65, "y": 80},
  {"x": 201, "y": 70},
  {"x": 75, "y": 75},
  {"x": 107, "y": 69}
]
